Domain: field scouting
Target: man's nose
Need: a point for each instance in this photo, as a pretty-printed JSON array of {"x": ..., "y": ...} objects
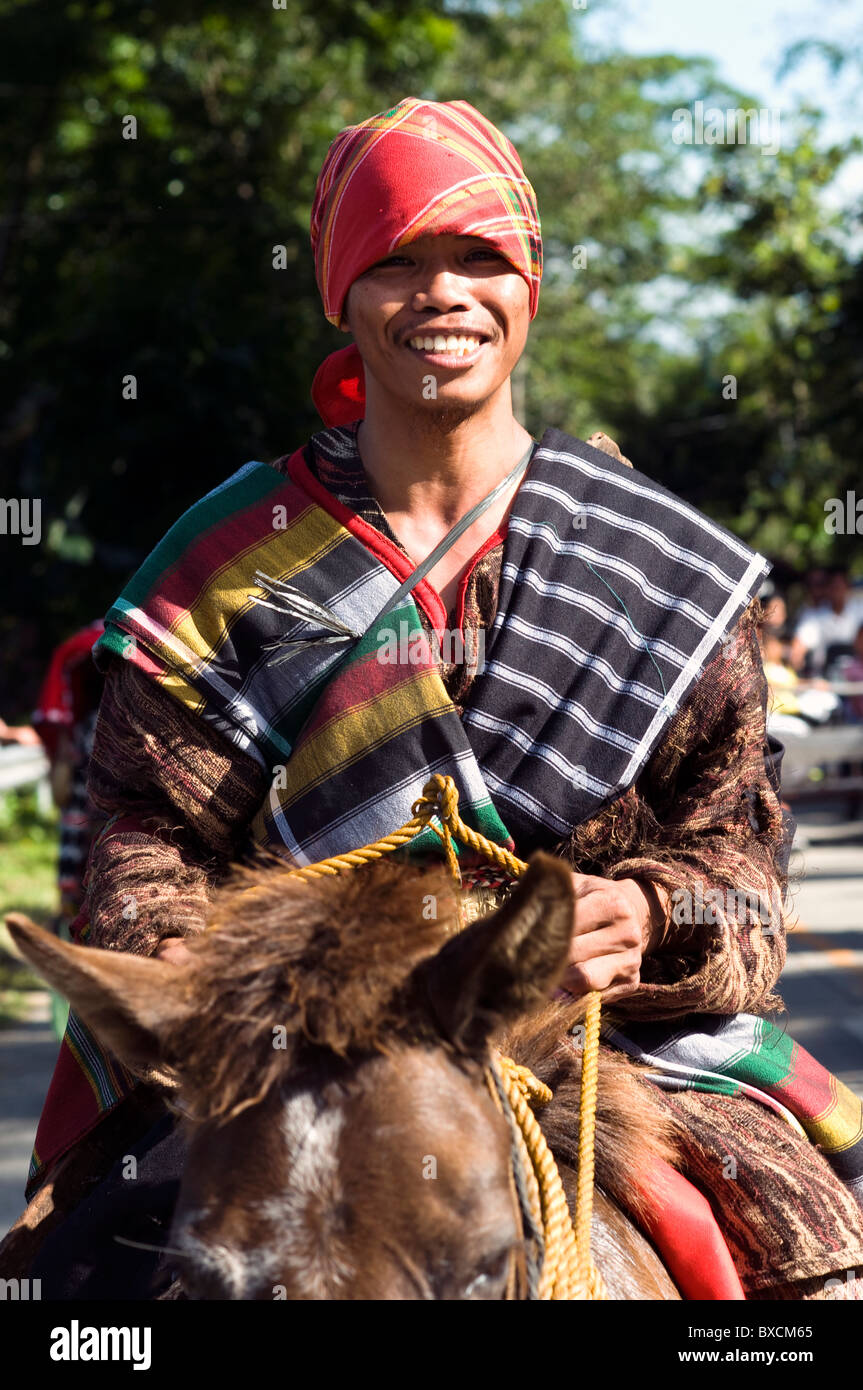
[{"x": 441, "y": 285}]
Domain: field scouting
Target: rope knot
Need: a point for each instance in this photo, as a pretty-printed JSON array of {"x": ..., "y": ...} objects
[
  {"x": 534, "y": 1091},
  {"x": 439, "y": 797}
]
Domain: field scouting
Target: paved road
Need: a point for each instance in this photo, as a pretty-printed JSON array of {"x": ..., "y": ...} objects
[
  {"x": 822, "y": 986},
  {"x": 27, "y": 1055},
  {"x": 822, "y": 983}
]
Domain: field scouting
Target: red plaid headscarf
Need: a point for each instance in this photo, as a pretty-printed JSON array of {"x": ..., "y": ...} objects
[{"x": 425, "y": 168}]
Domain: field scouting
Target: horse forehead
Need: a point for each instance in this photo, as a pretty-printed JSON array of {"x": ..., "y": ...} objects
[
  {"x": 420, "y": 1103},
  {"x": 393, "y": 1102},
  {"x": 312, "y": 1132}
]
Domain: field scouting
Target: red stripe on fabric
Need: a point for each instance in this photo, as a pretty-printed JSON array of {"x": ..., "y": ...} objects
[
  {"x": 78, "y": 924},
  {"x": 681, "y": 1223},
  {"x": 69, "y": 1112},
  {"x": 808, "y": 1084},
  {"x": 140, "y": 657},
  {"x": 497, "y": 538},
  {"x": 179, "y": 587},
  {"x": 380, "y": 546},
  {"x": 364, "y": 681}
]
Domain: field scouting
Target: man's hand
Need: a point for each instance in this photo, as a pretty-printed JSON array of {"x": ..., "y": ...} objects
[
  {"x": 174, "y": 950},
  {"x": 617, "y": 923}
]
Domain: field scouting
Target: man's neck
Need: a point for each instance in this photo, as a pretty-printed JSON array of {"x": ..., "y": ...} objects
[{"x": 419, "y": 460}]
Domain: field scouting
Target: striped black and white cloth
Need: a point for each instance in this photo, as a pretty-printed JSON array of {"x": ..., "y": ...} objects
[{"x": 614, "y": 596}]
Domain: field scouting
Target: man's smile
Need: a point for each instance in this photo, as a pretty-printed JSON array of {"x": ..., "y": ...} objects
[{"x": 452, "y": 350}]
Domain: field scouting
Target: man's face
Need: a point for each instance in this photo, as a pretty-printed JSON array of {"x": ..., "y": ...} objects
[
  {"x": 439, "y": 287},
  {"x": 837, "y": 589},
  {"x": 818, "y": 583}
]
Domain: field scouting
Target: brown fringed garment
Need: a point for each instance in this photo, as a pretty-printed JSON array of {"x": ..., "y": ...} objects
[{"x": 703, "y": 810}]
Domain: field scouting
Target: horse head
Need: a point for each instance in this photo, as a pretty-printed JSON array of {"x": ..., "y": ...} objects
[{"x": 330, "y": 1042}]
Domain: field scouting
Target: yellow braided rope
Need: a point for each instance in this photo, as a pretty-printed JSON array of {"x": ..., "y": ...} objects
[
  {"x": 439, "y": 798},
  {"x": 568, "y": 1272}
]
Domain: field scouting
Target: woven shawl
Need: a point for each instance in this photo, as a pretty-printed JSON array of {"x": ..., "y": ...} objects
[
  {"x": 741, "y": 1054},
  {"x": 614, "y": 596}
]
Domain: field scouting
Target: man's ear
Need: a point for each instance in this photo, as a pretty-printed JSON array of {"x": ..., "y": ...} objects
[
  {"x": 506, "y": 964},
  {"x": 130, "y": 1002}
]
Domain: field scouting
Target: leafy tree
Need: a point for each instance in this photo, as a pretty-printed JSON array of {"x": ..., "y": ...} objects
[{"x": 152, "y": 258}]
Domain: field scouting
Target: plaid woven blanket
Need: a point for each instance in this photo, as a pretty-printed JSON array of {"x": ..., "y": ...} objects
[{"x": 740, "y": 1054}]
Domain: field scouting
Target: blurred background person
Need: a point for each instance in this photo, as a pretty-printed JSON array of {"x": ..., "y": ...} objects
[
  {"x": 824, "y": 635},
  {"x": 65, "y": 720},
  {"x": 794, "y": 705},
  {"x": 854, "y": 672}
]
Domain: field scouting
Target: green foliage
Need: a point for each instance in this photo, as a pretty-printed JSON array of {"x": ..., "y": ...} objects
[
  {"x": 770, "y": 456},
  {"x": 21, "y": 819},
  {"x": 28, "y": 863},
  {"x": 153, "y": 257}
]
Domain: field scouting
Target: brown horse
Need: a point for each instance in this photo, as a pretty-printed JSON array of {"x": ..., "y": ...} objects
[{"x": 330, "y": 1042}]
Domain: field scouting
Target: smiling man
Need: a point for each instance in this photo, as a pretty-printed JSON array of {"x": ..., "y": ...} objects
[
  {"x": 618, "y": 718},
  {"x": 439, "y": 332}
]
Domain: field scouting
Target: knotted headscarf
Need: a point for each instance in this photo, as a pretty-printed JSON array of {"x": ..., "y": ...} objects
[{"x": 424, "y": 168}]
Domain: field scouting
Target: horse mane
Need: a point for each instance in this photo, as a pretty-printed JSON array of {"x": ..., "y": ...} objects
[
  {"x": 326, "y": 964},
  {"x": 301, "y": 969},
  {"x": 633, "y": 1130}
]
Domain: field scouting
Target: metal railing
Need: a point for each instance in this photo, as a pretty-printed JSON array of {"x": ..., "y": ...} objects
[{"x": 22, "y": 765}]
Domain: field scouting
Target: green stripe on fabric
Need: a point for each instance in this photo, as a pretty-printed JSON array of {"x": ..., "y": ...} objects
[
  {"x": 712, "y": 1085},
  {"x": 225, "y": 504},
  {"x": 481, "y": 816},
  {"x": 773, "y": 1062},
  {"x": 113, "y": 639}
]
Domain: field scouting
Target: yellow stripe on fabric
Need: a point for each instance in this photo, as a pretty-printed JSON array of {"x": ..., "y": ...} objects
[
  {"x": 225, "y": 598},
  {"x": 465, "y": 192},
  {"x": 494, "y": 137},
  {"x": 85, "y": 1070},
  {"x": 483, "y": 132},
  {"x": 840, "y": 1126},
  {"x": 182, "y": 691},
  {"x": 370, "y": 725}
]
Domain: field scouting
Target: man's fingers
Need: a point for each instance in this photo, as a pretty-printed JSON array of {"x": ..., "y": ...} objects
[
  {"x": 598, "y": 906},
  {"x": 174, "y": 950},
  {"x": 606, "y": 941},
  {"x": 619, "y": 991},
  {"x": 602, "y": 973}
]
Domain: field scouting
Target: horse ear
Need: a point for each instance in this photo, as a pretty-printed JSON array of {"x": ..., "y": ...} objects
[
  {"x": 129, "y": 1001},
  {"x": 506, "y": 964}
]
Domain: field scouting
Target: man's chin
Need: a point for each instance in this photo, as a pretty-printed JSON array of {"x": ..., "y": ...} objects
[
  {"x": 445, "y": 406},
  {"x": 448, "y": 414}
]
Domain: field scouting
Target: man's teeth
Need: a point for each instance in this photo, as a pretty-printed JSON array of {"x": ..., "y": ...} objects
[{"x": 456, "y": 343}]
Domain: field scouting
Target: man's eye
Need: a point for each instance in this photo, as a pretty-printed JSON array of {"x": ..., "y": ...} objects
[{"x": 407, "y": 260}]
